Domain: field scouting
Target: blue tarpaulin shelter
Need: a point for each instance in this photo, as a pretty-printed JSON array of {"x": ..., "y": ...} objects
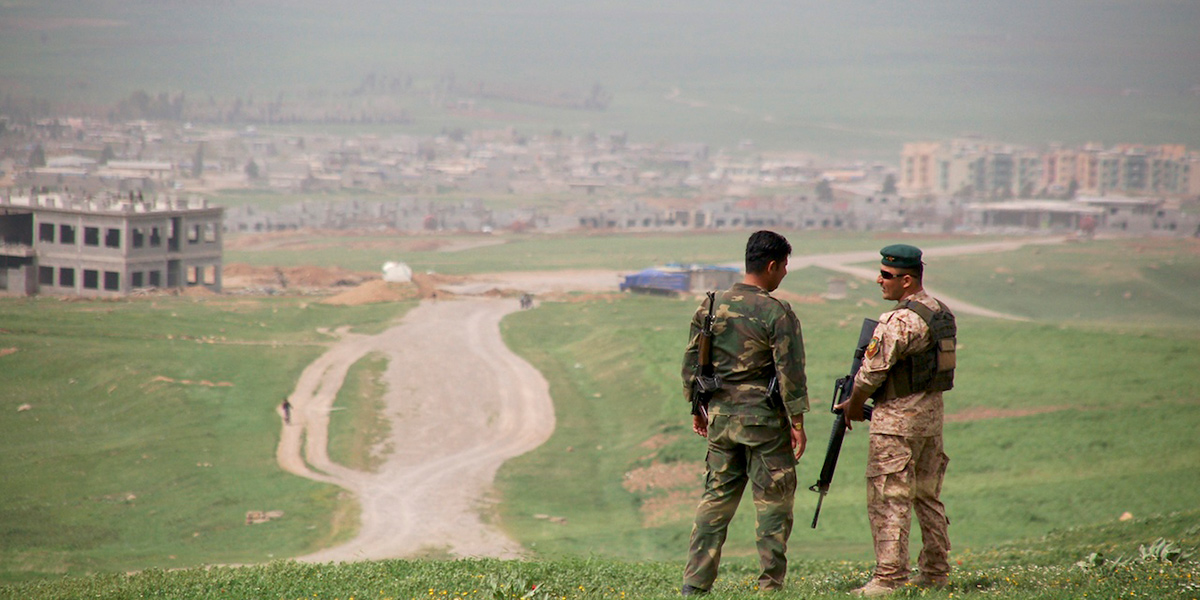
[{"x": 657, "y": 280}]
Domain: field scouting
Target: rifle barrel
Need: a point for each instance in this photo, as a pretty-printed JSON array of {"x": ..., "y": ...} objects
[{"x": 820, "y": 501}]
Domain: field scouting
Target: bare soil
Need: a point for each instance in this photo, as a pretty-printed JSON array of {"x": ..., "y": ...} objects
[{"x": 981, "y": 413}]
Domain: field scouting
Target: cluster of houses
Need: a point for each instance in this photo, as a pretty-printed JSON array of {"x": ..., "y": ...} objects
[{"x": 71, "y": 175}]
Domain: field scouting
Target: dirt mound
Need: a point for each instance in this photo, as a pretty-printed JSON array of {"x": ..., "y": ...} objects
[
  {"x": 373, "y": 292},
  {"x": 429, "y": 283},
  {"x": 672, "y": 507},
  {"x": 423, "y": 285},
  {"x": 669, "y": 490},
  {"x": 664, "y": 476},
  {"x": 197, "y": 291},
  {"x": 239, "y": 275},
  {"x": 982, "y": 413}
]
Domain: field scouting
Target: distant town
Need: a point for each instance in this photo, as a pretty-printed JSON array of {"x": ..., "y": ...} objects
[{"x": 97, "y": 207}]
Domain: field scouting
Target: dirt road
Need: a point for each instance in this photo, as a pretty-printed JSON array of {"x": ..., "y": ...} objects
[{"x": 469, "y": 405}]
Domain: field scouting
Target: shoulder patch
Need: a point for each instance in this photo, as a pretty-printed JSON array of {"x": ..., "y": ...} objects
[{"x": 873, "y": 348}]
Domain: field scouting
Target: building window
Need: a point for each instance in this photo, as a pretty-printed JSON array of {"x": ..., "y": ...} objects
[
  {"x": 45, "y": 275},
  {"x": 139, "y": 237},
  {"x": 66, "y": 277},
  {"x": 66, "y": 234},
  {"x": 91, "y": 279},
  {"x": 194, "y": 234},
  {"x": 91, "y": 236},
  {"x": 46, "y": 232},
  {"x": 155, "y": 237},
  {"x": 112, "y": 281},
  {"x": 210, "y": 233},
  {"x": 138, "y": 279},
  {"x": 155, "y": 278},
  {"x": 112, "y": 238}
]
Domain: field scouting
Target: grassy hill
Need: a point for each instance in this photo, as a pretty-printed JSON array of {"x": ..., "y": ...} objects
[
  {"x": 138, "y": 433},
  {"x": 1046, "y": 426}
]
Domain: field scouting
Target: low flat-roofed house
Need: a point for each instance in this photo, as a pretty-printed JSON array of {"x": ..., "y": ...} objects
[
  {"x": 71, "y": 161},
  {"x": 138, "y": 169},
  {"x": 1031, "y": 215},
  {"x": 1124, "y": 213},
  {"x": 58, "y": 245}
]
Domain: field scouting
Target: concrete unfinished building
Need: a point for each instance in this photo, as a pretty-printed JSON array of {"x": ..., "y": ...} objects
[{"x": 56, "y": 245}]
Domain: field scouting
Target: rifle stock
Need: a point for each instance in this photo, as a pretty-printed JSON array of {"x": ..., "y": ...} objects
[
  {"x": 706, "y": 381},
  {"x": 841, "y": 391}
]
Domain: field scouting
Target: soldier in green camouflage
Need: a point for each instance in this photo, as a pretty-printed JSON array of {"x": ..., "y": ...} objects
[{"x": 750, "y": 438}]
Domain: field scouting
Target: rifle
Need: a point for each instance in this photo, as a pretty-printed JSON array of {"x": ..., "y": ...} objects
[
  {"x": 707, "y": 380},
  {"x": 841, "y": 391}
]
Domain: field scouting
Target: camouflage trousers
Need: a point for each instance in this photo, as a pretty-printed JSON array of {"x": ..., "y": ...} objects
[
  {"x": 738, "y": 453},
  {"x": 904, "y": 475}
]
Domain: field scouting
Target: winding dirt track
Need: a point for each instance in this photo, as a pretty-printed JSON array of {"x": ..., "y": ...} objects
[
  {"x": 460, "y": 404},
  {"x": 469, "y": 405}
]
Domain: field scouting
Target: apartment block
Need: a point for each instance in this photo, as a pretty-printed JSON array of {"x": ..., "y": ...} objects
[
  {"x": 977, "y": 169},
  {"x": 57, "y": 245}
]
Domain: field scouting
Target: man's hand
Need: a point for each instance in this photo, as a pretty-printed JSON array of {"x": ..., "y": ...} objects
[
  {"x": 799, "y": 440},
  {"x": 852, "y": 410},
  {"x": 852, "y": 407},
  {"x": 700, "y": 425}
]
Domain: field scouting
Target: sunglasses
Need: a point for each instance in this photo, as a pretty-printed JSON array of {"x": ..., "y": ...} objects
[{"x": 889, "y": 276}]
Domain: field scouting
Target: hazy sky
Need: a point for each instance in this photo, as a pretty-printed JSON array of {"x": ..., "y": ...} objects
[{"x": 879, "y": 71}]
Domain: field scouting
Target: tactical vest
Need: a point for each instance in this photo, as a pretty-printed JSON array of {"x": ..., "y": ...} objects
[{"x": 933, "y": 369}]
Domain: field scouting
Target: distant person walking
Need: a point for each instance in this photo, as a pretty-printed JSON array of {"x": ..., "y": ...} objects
[
  {"x": 908, "y": 364},
  {"x": 751, "y": 439},
  {"x": 286, "y": 407}
]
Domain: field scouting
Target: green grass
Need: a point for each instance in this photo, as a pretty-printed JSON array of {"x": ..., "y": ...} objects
[
  {"x": 1036, "y": 569},
  {"x": 1127, "y": 284},
  {"x": 150, "y": 431},
  {"x": 356, "y": 427}
]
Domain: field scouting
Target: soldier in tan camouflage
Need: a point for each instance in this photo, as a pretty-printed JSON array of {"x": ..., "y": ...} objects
[
  {"x": 750, "y": 439},
  {"x": 906, "y": 462}
]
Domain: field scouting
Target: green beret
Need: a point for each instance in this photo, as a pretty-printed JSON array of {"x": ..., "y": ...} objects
[{"x": 901, "y": 256}]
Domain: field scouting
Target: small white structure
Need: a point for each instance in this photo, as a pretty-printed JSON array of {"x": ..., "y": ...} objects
[{"x": 394, "y": 272}]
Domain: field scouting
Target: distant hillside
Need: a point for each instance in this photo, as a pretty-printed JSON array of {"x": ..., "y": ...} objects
[{"x": 856, "y": 77}]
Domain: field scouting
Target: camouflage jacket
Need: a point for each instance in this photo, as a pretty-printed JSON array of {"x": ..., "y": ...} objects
[
  {"x": 900, "y": 332},
  {"x": 755, "y": 337}
]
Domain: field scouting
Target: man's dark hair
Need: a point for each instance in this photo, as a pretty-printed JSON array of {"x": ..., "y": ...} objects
[{"x": 764, "y": 247}]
